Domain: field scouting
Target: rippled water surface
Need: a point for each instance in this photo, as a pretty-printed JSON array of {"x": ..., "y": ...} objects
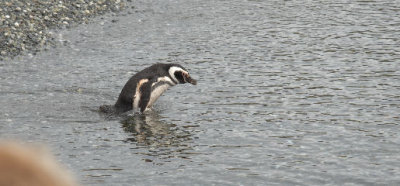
[{"x": 289, "y": 92}]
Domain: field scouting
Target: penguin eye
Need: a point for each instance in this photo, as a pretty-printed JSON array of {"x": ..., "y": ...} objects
[{"x": 179, "y": 76}]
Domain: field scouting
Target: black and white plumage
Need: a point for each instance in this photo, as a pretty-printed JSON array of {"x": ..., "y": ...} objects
[{"x": 145, "y": 87}]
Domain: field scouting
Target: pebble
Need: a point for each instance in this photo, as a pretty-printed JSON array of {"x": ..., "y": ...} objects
[{"x": 25, "y": 26}]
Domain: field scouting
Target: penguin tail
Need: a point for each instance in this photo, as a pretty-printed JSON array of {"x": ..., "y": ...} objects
[{"x": 108, "y": 109}]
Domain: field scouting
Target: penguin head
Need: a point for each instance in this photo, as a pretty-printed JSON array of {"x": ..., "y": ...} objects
[{"x": 180, "y": 74}]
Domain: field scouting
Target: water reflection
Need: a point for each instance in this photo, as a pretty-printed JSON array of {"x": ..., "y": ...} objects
[{"x": 162, "y": 139}]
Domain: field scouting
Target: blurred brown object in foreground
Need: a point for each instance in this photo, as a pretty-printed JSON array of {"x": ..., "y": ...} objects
[{"x": 22, "y": 165}]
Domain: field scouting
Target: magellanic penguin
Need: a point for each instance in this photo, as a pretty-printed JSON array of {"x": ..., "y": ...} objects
[{"x": 145, "y": 87}]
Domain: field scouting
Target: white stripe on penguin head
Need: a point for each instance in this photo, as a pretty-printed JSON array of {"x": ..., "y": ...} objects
[{"x": 172, "y": 71}]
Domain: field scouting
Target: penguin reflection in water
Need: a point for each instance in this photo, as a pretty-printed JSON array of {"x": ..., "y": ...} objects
[
  {"x": 149, "y": 130},
  {"x": 145, "y": 87}
]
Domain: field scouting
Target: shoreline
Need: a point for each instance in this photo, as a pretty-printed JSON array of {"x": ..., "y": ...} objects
[{"x": 25, "y": 27}]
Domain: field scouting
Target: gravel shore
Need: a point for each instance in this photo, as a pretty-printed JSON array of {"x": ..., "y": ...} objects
[{"x": 25, "y": 25}]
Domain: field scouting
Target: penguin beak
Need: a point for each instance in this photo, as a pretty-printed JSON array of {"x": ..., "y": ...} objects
[{"x": 189, "y": 79}]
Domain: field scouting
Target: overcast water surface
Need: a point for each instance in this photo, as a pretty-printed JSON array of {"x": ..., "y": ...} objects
[{"x": 288, "y": 93}]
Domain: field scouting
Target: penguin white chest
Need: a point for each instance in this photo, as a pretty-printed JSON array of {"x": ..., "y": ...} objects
[
  {"x": 157, "y": 92},
  {"x": 158, "y": 88}
]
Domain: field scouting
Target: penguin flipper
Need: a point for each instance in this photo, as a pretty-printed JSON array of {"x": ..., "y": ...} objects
[{"x": 145, "y": 91}]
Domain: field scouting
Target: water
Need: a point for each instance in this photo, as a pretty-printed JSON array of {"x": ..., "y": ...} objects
[{"x": 289, "y": 93}]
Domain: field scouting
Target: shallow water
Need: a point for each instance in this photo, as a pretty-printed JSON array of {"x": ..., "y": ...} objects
[{"x": 288, "y": 92}]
